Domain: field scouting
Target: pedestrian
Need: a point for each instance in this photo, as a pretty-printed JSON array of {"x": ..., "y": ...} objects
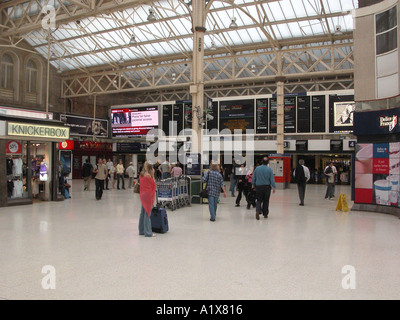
[
  {"x": 215, "y": 183},
  {"x": 250, "y": 193},
  {"x": 131, "y": 174},
  {"x": 113, "y": 175},
  {"x": 107, "y": 176},
  {"x": 330, "y": 175},
  {"x": 101, "y": 173},
  {"x": 176, "y": 171},
  {"x": 240, "y": 176},
  {"x": 120, "y": 174},
  {"x": 109, "y": 165},
  {"x": 301, "y": 176},
  {"x": 233, "y": 177},
  {"x": 165, "y": 169},
  {"x": 147, "y": 196},
  {"x": 263, "y": 180},
  {"x": 87, "y": 174}
]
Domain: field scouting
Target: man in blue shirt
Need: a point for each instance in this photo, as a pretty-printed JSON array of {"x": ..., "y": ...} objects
[{"x": 263, "y": 181}]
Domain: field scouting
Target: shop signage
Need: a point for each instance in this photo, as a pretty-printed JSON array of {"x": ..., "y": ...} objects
[
  {"x": 336, "y": 145},
  {"x": 13, "y": 147},
  {"x": 377, "y": 122},
  {"x": 66, "y": 145},
  {"x": 37, "y": 131}
]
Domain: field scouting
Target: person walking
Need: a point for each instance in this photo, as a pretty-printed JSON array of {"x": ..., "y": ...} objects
[
  {"x": 330, "y": 175},
  {"x": 250, "y": 193},
  {"x": 113, "y": 175},
  {"x": 131, "y": 174},
  {"x": 176, "y": 171},
  {"x": 241, "y": 183},
  {"x": 87, "y": 174},
  {"x": 101, "y": 173},
  {"x": 263, "y": 180},
  {"x": 107, "y": 176},
  {"x": 147, "y": 196},
  {"x": 215, "y": 183},
  {"x": 109, "y": 165},
  {"x": 301, "y": 176},
  {"x": 120, "y": 174},
  {"x": 233, "y": 177}
]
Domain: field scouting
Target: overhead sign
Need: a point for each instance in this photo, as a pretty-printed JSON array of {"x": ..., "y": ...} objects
[{"x": 37, "y": 131}]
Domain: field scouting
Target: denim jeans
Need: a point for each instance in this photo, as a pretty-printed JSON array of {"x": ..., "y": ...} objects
[
  {"x": 120, "y": 176},
  {"x": 145, "y": 224},
  {"x": 212, "y": 205}
]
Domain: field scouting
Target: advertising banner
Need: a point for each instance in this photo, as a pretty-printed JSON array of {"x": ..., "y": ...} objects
[{"x": 384, "y": 121}]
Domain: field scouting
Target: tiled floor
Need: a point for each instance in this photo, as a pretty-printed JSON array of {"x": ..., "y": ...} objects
[{"x": 297, "y": 253}]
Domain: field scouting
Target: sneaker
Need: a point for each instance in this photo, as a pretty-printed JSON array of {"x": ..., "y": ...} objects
[
  {"x": 238, "y": 205},
  {"x": 212, "y": 220}
]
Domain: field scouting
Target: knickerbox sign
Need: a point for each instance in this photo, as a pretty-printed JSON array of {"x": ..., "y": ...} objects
[{"x": 39, "y": 131}]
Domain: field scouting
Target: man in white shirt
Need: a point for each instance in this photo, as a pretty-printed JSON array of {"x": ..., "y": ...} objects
[
  {"x": 301, "y": 175},
  {"x": 109, "y": 166},
  {"x": 131, "y": 173}
]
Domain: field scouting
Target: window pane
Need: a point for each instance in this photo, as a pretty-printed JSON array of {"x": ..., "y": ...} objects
[
  {"x": 7, "y": 58},
  {"x": 31, "y": 64},
  {"x": 386, "y": 20},
  {"x": 3, "y": 76},
  {"x": 33, "y": 81},
  {"x": 10, "y": 77},
  {"x": 386, "y": 42}
]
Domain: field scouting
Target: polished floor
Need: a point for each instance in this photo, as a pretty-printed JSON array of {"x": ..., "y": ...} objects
[{"x": 297, "y": 253}]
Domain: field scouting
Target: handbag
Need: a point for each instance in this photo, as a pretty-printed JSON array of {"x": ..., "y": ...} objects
[
  {"x": 204, "y": 193},
  {"x": 136, "y": 188}
]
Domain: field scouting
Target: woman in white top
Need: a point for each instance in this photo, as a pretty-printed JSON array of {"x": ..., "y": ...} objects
[{"x": 112, "y": 173}]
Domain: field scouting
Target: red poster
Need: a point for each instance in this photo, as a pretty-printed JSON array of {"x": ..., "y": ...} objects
[
  {"x": 13, "y": 147},
  {"x": 363, "y": 196},
  {"x": 66, "y": 145},
  {"x": 381, "y": 166}
]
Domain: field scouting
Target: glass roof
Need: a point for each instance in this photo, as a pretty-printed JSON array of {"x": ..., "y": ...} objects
[{"x": 106, "y": 39}]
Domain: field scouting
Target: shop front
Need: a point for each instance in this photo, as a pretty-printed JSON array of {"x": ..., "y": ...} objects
[
  {"x": 377, "y": 161},
  {"x": 29, "y": 160}
]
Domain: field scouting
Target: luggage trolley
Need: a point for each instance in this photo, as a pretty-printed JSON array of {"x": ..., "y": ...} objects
[{"x": 167, "y": 193}]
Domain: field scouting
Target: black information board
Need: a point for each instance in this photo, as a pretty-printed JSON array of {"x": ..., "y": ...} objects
[
  {"x": 273, "y": 110},
  {"x": 318, "y": 114},
  {"x": 301, "y": 145},
  {"x": 178, "y": 117},
  {"x": 236, "y": 114},
  {"x": 187, "y": 107},
  {"x": 262, "y": 116},
  {"x": 166, "y": 118},
  {"x": 290, "y": 114},
  {"x": 303, "y": 114},
  {"x": 212, "y": 110},
  {"x": 337, "y": 145}
]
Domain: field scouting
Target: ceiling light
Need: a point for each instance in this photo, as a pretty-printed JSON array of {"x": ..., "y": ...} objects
[
  {"x": 133, "y": 39},
  {"x": 338, "y": 30},
  {"x": 121, "y": 60},
  {"x": 233, "y": 23},
  {"x": 173, "y": 76},
  {"x": 151, "y": 16},
  {"x": 213, "y": 46},
  {"x": 253, "y": 68},
  {"x": 59, "y": 70}
]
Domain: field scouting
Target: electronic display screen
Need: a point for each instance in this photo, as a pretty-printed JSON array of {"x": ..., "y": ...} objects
[{"x": 133, "y": 121}]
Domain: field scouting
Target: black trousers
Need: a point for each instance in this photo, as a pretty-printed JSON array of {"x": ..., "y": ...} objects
[
  {"x": 99, "y": 188},
  {"x": 301, "y": 187},
  {"x": 263, "y": 193},
  {"x": 241, "y": 190}
]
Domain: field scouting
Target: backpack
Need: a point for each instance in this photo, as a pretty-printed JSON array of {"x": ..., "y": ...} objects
[
  {"x": 328, "y": 170},
  {"x": 299, "y": 175}
]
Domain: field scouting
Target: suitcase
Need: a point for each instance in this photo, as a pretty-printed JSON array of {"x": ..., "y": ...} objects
[{"x": 159, "y": 220}]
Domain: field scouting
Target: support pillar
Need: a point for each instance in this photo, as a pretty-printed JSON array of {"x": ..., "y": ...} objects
[{"x": 197, "y": 86}]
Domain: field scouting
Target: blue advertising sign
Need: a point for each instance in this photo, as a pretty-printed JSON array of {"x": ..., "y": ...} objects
[{"x": 381, "y": 150}]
